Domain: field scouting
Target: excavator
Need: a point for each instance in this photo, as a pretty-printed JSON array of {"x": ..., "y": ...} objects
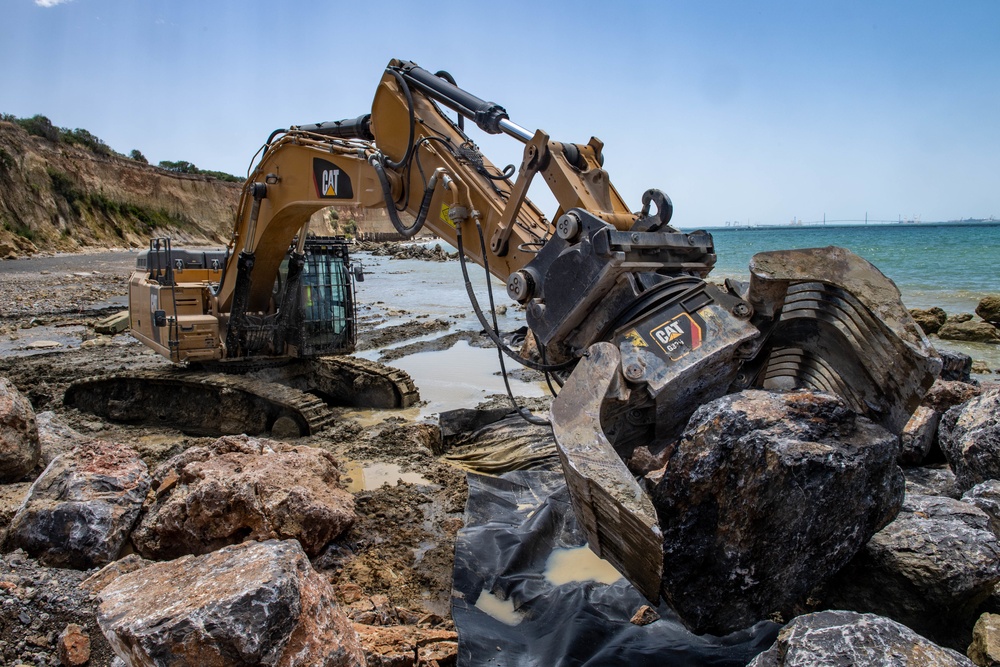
[{"x": 617, "y": 300}]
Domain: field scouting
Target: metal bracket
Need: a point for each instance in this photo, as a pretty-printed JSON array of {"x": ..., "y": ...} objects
[{"x": 534, "y": 159}]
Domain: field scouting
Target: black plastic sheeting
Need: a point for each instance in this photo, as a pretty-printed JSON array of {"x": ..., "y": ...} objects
[{"x": 512, "y": 525}]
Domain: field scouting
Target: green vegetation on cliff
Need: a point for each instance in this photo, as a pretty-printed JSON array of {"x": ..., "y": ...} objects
[
  {"x": 40, "y": 126},
  {"x": 125, "y": 216}
]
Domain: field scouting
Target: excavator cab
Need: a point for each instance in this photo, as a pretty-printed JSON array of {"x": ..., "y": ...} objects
[
  {"x": 312, "y": 312},
  {"x": 324, "y": 321}
]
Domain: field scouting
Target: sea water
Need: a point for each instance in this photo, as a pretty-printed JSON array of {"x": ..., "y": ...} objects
[{"x": 951, "y": 266}]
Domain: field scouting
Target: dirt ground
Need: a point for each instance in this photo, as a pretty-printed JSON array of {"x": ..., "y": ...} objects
[{"x": 402, "y": 545}]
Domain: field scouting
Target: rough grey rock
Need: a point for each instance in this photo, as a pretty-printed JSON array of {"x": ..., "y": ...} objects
[
  {"x": 256, "y": 603},
  {"x": 241, "y": 488},
  {"x": 969, "y": 436},
  {"x": 79, "y": 512},
  {"x": 847, "y": 639},
  {"x": 765, "y": 496},
  {"x": 918, "y": 436},
  {"x": 989, "y": 308},
  {"x": 985, "y": 647},
  {"x": 986, "y": 496},
  {"x": 936, "y": 480},
  {"x": 56, "y": 436},
  {"x": 929, "y": 320},
  {"x": 971, "y": 331},
  {"x": 19, "y": 448},
  {"x": 928, "y": 569},
  {"x": 955, "y": 366},
  {"x": 946, "y": 394}
]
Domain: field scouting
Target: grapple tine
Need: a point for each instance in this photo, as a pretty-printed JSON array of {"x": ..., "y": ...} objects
[{"x": 615, "y": 512}]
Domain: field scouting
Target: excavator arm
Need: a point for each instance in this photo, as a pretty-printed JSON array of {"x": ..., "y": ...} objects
[{"x": 615, "y": 299}]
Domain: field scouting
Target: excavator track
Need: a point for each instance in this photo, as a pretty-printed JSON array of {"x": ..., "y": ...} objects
[
  {"x": 375, "y": 385},
  {"x": 292, "y": 400}
]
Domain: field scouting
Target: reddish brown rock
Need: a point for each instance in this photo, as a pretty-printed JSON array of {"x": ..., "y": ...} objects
[
  {"x": 74, "y": 646},
  {"x": 644, "y": 616},
  {"x": 19, "y": 447},
  {"x": 919, "y": 435},
  {"x": 256, "y": 603},
  {"x": 945, "y": 394},
  {"x": 407, "y": 645},
  {"x": 242, "y": 488},
  {"x": 79, "y": 512},
  {"x": 973, "y": 332},
  {"x": 989, "y": 308},
  {"x": 929, "y": 320}
]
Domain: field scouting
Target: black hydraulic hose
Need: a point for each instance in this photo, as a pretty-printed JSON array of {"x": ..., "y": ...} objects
[
  {"x": 523, "y": 412},
  {"x": 413, "y": 121},
  {"x": 485, "y": 324},
  {"x": 425, "y": 203}
]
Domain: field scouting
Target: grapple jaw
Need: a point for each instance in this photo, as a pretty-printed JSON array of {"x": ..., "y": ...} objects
[{"x": 822, "y": 319}]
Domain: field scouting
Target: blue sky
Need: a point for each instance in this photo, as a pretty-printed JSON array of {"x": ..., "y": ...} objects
[{"x": 750, "y": 111}]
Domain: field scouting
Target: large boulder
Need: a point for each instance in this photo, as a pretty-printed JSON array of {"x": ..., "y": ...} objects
[
  {"x": 256, "y": 603},
  {"x": 972, "y": 331},
  {"x": 766, "y": 496},
  {"x": 989, "y": 308},
  {"x": 79, "y": 512},
  {"x": 847, "y": 639},
  {"x": 19, "y": 448},
  {"x": 241, "y": 488},
  {"x": 969, "y": 436},
  {"x": 929, "y": 569},
  {"x": 929, "y": 320}
]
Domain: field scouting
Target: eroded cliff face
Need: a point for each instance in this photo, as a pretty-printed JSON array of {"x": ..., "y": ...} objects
[{"x": 58, "y": 197}]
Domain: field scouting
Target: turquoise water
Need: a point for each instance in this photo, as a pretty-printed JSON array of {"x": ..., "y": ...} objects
[{"x": 951, "y": 266}]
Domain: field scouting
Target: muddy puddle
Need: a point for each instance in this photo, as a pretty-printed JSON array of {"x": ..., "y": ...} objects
[
  {"x": 498, "y": 608},
  {"x": 579, "y": 564},
  {"x": 460, "y": 376},
  {"x": 358, "y": 476}
]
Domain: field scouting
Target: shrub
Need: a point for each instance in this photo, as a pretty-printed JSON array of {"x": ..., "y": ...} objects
[
  {"x": 63, "y": 185},
  {"x": 81, "y": 137},
  {"x": 181, "y": 167},
  {"x": 40, "y": 126},
  {"x": 137, "y": 156}
]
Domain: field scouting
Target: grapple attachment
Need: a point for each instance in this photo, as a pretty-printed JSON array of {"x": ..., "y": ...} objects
[{"x": 822, "y": 319}]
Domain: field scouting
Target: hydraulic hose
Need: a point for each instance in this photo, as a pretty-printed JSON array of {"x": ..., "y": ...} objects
[
  {"x": 413, "y": 123},
  {"x": 486, "y": 325},
  {"x": 390, "y": 207}
]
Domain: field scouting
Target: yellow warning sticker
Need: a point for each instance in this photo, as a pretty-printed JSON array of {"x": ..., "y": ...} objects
[
  {"x": 445, "y": 218},
  {"x": 635, "y": 338}
]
